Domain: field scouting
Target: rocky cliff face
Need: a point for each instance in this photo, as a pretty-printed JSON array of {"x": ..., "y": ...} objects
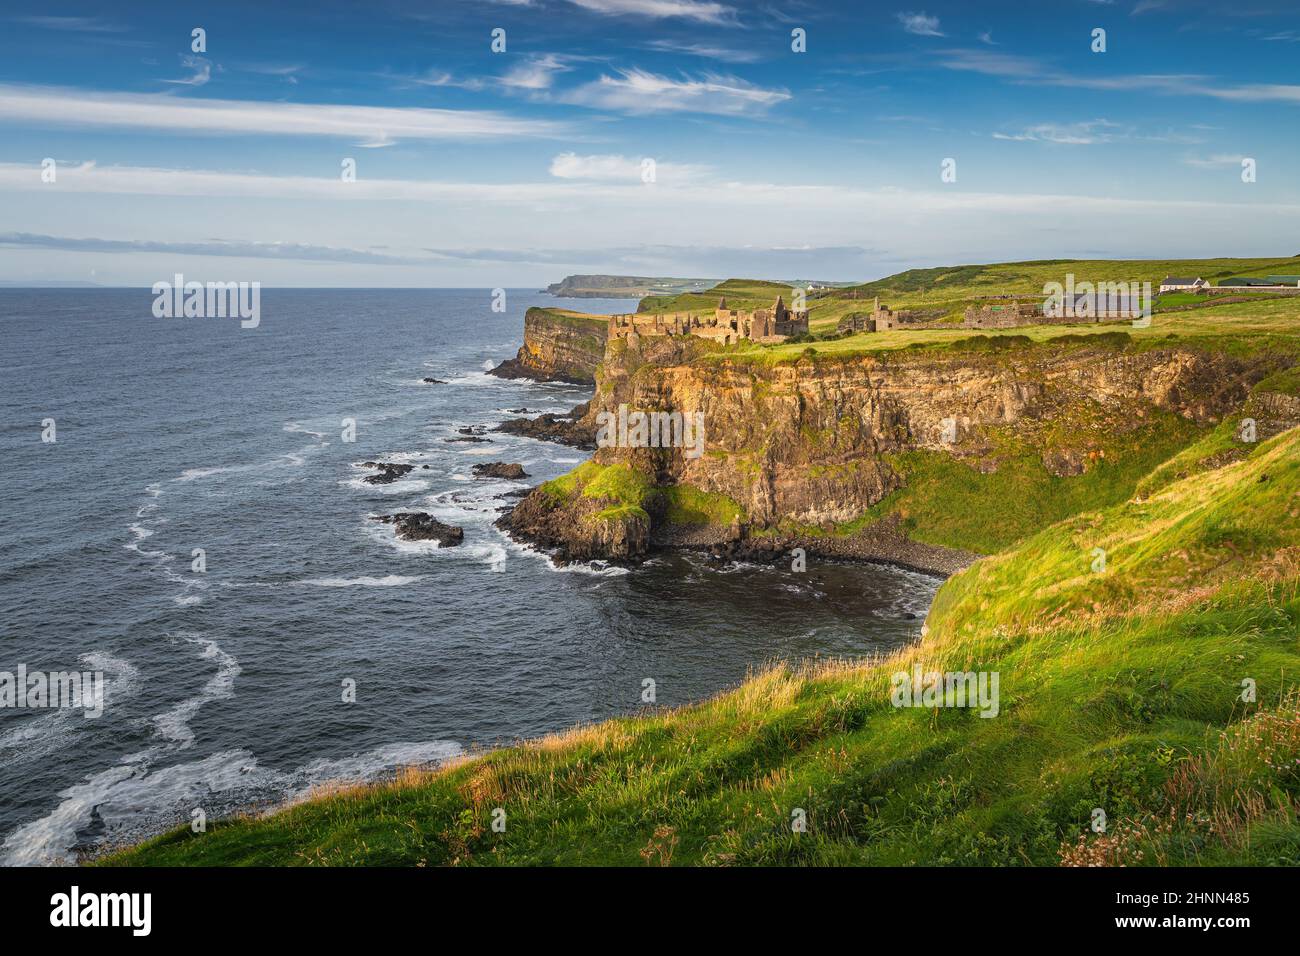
[
  {"x": 810, "y": 442},
  {"x": 558, "y": 347}
]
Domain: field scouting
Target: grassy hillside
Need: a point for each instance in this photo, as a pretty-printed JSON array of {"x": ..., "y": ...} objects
[
  {"x": 920, "y": 285},
  {"x": 1239, "y": 328},
  {"x": 952, "y": 288},
  {"x": 1121, "y": 690}
]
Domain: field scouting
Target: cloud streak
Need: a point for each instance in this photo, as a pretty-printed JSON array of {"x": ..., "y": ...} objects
[
  {"x": 638, "y": 91},
  {"x": 1026, "y": 70},
  {"x": 702, "y": 11},
  {"x": 299, "y": 252},
  {"x": 922, "y": 24},
  {"x": 60, "y": 106}
]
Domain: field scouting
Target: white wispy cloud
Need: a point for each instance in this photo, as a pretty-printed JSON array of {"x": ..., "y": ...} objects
[
  {"x": 1216, "y": 161},
  {"x": 71, "y": 24},
  {"x": 535, "y": 73},
  {"x": 241, "y": 249},
  {"x": 44, "y": 105},
  {"x": 703, "y": 11},
  {"x": 481, "y": 222},
  {"x": 1069, "y": 134},
  {"x": 1026, "y": 69},
  {"x": 287, "y": 71},
  {"x": 637, "y": 91},
  {"x": 696, "y": 190},
  {"x": 619, "y": 168},
  {"x": 202, "y": 71},
  {"x": 707, "y": 51},
  {"x": 922, "y": 24}
]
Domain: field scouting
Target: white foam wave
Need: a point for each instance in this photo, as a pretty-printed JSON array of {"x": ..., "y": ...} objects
[
  {"x": 133, "y": 801},
  {"x": 54, "y": 729},
  {"x": 173, "y": 725},
  {"x": 128, "y": 791},
  {"x": 388, "y": 581},
  {"x": 300, "y": 428},
  {"x": 600, "y": 569},
  {"x": 403, "y": 486}
]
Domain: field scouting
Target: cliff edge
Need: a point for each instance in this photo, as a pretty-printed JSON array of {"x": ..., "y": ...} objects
[
  {"x": 923, "y": 457},
  {"x": 559, "y": 346}
]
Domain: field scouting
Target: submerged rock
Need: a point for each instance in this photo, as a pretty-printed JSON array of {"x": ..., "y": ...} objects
[
  {"x": 388, "y": 472},
  {"x": 433, "y": 381},
  {"x": 421, "y": 526},
  {"x": 568, "y": 429},
  {"x": 500, "y": 469}
]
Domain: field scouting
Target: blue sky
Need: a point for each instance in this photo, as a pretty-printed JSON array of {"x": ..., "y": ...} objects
[{"x": 514, "y": 168}]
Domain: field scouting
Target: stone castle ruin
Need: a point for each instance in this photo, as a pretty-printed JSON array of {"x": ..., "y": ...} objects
[
  {"x": 725, "y": 326},
  {"x": 884, "y": 319},
  {"x": 1009, "y": 316}
]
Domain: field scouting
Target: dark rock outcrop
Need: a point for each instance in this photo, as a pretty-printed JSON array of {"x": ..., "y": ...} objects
[
  {"x": 500, "y": 469},
  {"x": 582, "y": 531},
  {"x": 421, "y": 526},
  {"x": 388, "y": 472},
  {"x": 569, "y": 429}
]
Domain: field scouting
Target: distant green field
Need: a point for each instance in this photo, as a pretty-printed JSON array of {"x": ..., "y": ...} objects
[
  {"x": 1239, "y": 327},
  {"x": 952, "y": 288}
]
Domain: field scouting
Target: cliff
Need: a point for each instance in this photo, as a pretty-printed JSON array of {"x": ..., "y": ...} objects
[
  {"x": 921, "y": 456},
  {"x": 1119, "y": 689},
  {"x": 559, "y": 346}
]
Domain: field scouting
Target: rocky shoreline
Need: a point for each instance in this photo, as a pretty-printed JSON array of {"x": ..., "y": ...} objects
[
  {"x": 881, "y": 543},
  {"x": 513, "y": 368},
  {"x": 564, "y": 429}
]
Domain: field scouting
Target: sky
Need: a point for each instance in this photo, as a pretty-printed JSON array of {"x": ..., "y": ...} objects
[{"x": 450, "y": 143}]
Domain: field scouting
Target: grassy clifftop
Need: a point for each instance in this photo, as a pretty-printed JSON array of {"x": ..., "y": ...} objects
[
  {"x": 950, "y": 289},
  {"x": 1123, "y": 689}
]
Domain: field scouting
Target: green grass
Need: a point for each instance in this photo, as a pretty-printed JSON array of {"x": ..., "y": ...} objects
[
  {"x": 1240, "y": 328},
  {"x": 949, "y": 502},
  {"x": 952, "y": 288},
  {"x": 619, "y": 483},
  {"x": 583, "y": 321},
  {"x": 685, "y": 505},
  {"x": 1120, "y": 688},
  {"x": 625, "y": 490}
]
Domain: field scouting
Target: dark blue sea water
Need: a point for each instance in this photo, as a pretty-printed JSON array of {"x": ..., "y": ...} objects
[{"x": 225, "y": 687}]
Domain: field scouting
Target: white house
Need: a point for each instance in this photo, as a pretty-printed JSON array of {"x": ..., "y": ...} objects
[{"x": 1172, "y": 284}]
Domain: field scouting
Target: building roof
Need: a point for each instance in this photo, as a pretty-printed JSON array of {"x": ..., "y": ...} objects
[{"x": 1173, "y": 280}]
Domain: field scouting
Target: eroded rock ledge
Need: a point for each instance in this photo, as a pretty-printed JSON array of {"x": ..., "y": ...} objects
[
  {"x": 559, "y": 346},
  {"x": 572, "y": 428}
]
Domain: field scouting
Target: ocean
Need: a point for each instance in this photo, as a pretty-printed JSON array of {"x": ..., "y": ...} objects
[{"x": 188, "y": 442}]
